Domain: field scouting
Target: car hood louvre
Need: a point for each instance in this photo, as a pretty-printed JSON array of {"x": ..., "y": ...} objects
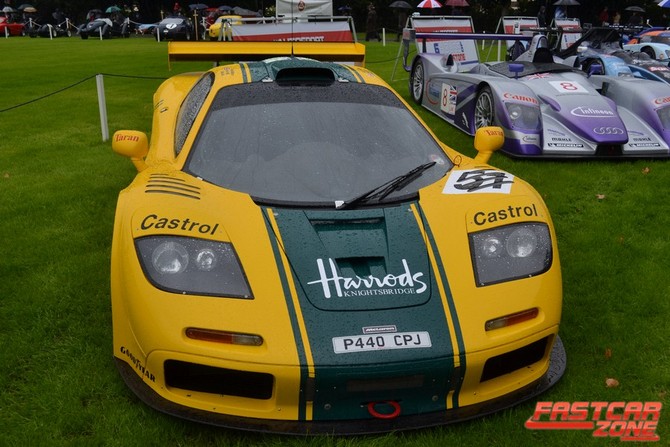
[{"x": 164, "y": 184}]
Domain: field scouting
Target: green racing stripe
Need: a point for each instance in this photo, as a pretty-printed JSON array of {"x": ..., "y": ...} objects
[{"x": 372, "y": 310}]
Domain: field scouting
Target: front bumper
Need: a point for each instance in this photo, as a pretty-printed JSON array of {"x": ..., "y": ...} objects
[{"x": 350, "y": 427}]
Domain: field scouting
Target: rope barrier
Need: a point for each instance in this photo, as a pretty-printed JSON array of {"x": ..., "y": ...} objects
[
  {"x": 117, "y": 76},
  {"x": 76, "y": 84}
]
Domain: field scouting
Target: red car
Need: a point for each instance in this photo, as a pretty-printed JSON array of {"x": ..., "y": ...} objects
[{"x": 11, "y": 28}]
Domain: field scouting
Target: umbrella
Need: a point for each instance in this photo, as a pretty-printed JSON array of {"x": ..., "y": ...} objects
[
  {"x": 664, "y": 3},
  {"x": 430, "y": 4},
  {"x": 225, "y": 8},
  {"x": 197, "y": 6},
  {"x": 7, "y": 9},
  {"x": 634, "y": 9},
  {"x": 456, "y": 3},
  {"x": 344, "y": 8},
  {"x": 566, "y": 3},
  {"x": 112, "y": 9},
  {"x": 24, "y": 6},
  {"x": 30, "y": 9},
  {"x": 400, "y": 4}
]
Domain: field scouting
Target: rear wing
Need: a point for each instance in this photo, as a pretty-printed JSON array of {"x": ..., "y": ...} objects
[
  {"x": 325, "y": 38},
  {"x": 345, "y": 52},
  {"x": 450, "y": 36}
]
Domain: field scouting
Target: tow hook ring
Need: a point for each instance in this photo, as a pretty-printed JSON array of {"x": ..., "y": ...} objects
[{"x": 394, "y": 414}]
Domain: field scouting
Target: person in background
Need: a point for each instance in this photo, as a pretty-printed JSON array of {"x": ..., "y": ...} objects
[
  {"x": 402, "y": 21},
  {"x": 616, "y": 18},
  {"x": 542, "y": 17},
  {"x": 635, "y": 19},
  {"x": 371, "y": 24},
  {"x": 604, "y": 17},
  {"x": 559, "y": 13}
]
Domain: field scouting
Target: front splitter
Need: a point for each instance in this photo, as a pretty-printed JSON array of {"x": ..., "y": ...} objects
[{"x": 556, "y": 369}]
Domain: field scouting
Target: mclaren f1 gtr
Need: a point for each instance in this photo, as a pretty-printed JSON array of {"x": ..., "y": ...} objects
[{"x": 300, "y": 254}]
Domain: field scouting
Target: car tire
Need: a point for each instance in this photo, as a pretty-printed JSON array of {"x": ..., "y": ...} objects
[
  {"x": 417, "y": 81},
  {"x": 484, "y": 114},
  {"x": 649, "y": 52}
]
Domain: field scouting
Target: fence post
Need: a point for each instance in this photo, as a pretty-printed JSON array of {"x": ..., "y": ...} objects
[{"x": 102, "y": 105}]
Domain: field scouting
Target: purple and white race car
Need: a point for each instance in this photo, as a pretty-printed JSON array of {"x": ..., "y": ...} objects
[{"x": 546, "y": 109}]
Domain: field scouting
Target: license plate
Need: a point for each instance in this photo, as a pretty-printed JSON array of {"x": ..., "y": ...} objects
[{"x": 379, "y": 342}]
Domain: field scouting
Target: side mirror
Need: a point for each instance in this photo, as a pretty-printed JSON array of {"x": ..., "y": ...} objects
[
  {"x": 516, "y": 69},
  {"x": 132, "y": 144},
  {"x": 488, "y": 140}
]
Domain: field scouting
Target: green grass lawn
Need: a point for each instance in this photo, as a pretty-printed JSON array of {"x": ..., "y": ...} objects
[{"x": 58, "y": 188}]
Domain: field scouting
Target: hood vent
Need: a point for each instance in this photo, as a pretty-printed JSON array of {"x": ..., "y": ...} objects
[{"x": 164, "y": 184}]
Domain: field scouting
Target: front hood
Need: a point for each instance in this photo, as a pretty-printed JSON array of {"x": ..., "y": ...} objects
[
  {"x": 357, "y": 260},
  {"x": 588, "y": 115}
]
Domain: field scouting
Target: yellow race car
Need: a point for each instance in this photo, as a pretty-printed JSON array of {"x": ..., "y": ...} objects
[
  {"x": 298, "y": 253},
  {"x": 221, "y": 29}
]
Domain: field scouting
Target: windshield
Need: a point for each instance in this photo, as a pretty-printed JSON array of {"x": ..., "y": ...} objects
[
  {"x": 664, "y": 38},
  {"x": 311, "y": 144}
]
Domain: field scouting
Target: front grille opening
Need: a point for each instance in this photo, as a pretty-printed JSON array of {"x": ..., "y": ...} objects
[
  {"x": 209, "y": 379},
  {"x": 514, "y": 360},
  {"x": 609, "y": 150}
]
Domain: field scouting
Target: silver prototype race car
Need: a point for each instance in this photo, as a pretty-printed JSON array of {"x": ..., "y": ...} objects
[{"x": 547, "y": 109}]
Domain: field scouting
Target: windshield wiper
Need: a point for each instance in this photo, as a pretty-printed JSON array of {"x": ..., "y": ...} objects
[{"x": 386, "y": 188}]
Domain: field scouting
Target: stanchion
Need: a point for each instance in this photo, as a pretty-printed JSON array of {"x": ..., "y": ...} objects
[{"x": 102, "y": 106}]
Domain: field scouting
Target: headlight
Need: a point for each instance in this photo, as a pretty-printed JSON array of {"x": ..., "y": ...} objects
[
  {"x": 522, "y": 116},
  {"x": 510, "y": 252},
  {"x": 664, "y": 116},
  {"x": 192, "y": 266}
]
